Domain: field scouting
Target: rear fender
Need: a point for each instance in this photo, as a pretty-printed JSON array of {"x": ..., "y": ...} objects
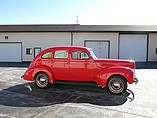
[
  {"x": 31, "y": 73},
  {"x": 103, "y": 75}
]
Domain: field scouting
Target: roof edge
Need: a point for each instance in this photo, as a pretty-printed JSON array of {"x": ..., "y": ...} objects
[{"x": 76, "y": 28}]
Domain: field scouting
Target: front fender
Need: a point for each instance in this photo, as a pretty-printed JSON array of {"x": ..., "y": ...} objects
[
  {"x": 103, "y": 75},
  {"x": 31, "y": 72}
]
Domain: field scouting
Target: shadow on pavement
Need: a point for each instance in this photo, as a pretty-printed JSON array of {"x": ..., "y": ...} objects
[{"x": 28, "y": 95}]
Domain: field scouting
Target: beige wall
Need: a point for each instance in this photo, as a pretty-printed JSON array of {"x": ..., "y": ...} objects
[
  {"x": 49, "y": 39},
  {"x": 152, "y": 56},
  {"x": 79, "y": 38},
  {"x": 32, "y": 40}
]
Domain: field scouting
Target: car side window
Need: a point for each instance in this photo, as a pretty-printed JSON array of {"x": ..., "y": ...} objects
[
  {"x": 61, "y": 54},
  {"x": 79, "y": 55},
  {"x": 47, "y": 55}
]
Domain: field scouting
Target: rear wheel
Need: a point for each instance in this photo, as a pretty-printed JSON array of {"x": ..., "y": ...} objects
[
  {"x": 42, "y": 80},
  {"x": 117, "y": 85}
]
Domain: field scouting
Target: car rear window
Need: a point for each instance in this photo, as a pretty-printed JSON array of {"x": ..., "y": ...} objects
[{"x": 47, "y": 55}]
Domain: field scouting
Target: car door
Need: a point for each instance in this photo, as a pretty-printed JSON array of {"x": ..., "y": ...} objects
[
  {"x": 60, "y": 65},
  {"x": 81, "y": 66}
]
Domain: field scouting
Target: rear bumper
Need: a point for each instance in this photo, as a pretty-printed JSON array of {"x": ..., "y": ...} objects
[
  {"x": 22, "y": 76},
  {"x": 135, "y": 80}
]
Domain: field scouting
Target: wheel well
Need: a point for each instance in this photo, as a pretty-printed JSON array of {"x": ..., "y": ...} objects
[
  {"x": 117, "y": 75},
  {"x": 50, "y": 77}
]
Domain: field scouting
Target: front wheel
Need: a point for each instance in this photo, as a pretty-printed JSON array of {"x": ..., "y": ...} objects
[
  {"x": 117, "y": 85},
  {"x": 42, "y": 80}
]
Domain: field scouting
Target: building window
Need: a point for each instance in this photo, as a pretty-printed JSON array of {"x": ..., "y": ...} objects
[
  {"x": 61, "y": 54},
  {"x": 6, "y": 37},
  {"x": 29, "y": 51}
]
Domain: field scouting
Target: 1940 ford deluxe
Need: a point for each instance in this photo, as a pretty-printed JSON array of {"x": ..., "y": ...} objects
[{"x": 79, "y": 64}]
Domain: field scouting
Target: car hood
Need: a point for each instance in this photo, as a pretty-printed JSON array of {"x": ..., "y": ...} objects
[{"x": 105, "y": 63}]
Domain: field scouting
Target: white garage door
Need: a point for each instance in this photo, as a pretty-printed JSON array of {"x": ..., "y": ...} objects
[
  {"x": 101, "y": 48},
  {"x": 10, "y": 52},
  {"x": 133, "y": 47}
]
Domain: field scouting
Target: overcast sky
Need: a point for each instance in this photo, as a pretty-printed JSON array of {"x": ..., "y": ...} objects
[{"x": 89, "y": 12}]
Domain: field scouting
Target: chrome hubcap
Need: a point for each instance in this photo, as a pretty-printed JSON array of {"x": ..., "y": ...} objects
[
  {"x": 42, "y": 79},
  {"x": 116, "y": 85}
]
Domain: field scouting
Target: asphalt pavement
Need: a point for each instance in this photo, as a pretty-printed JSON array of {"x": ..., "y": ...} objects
[{"x": 22, "y": 99}]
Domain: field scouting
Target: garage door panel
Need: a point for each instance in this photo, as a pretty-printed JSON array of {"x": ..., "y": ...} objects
[
  {"x": 101, "y": 48},
  {"x": 133, "y": 47},
  {"x": 10, "y": 52}
]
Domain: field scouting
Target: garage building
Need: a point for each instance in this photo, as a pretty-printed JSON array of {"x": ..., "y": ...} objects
[{"x": 21, "y": 43}]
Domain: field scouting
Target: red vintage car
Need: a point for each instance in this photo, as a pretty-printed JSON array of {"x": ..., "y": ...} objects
[{"x": 79, "y": 64}]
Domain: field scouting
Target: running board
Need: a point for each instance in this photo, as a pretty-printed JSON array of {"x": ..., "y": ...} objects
[{"x": 77, "y": 83}]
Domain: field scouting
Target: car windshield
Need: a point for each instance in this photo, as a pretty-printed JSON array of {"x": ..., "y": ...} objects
[{"x": 93, "y": 54}]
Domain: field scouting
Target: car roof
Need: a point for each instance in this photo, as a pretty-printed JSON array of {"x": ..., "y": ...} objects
[{"x": 68, "y": 47}]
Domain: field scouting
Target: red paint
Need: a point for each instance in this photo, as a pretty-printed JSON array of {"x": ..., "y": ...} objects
[{"x": 68, "y": 69}]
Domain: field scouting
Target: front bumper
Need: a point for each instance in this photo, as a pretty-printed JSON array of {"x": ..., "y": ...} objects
[{"x": 136, "y": 81}]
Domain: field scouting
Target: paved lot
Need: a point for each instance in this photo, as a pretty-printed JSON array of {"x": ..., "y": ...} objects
[{"x": 21, "y": 99}]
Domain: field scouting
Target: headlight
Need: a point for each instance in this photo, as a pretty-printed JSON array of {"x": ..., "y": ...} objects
[{"x": 133, "y": 72}]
